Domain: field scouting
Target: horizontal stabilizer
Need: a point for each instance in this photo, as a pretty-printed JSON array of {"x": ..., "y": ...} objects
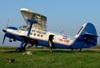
[{"x": 89, "y": 35}]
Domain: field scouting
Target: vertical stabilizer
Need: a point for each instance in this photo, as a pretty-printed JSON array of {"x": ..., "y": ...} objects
[{"x": 86, "y": 37}]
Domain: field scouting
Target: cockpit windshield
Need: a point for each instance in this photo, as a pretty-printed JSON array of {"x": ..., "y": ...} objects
[{"x": 25, "y": 28}]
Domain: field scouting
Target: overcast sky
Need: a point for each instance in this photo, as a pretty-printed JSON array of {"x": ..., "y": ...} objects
[{"x": 67, "y": 15}]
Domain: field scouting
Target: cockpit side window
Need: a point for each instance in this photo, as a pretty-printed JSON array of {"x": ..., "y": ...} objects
[{"x": 24, "y": 28}]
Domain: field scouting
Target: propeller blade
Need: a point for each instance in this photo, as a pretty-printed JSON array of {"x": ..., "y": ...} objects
[
  {"x": 4, "y": 39},
  {"x": 4, "y": 30}
]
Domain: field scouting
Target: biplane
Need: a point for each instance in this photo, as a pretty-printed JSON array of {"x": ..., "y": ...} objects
[{"x": 35, "y": 33}]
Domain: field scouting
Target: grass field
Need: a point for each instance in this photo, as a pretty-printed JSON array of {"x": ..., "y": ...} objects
[{"x": 42, "y": 58}]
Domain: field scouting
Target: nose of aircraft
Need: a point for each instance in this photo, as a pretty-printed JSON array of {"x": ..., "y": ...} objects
[{"x": 3, "y": 30}]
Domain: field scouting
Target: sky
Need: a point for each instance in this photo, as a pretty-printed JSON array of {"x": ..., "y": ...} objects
[{"x": 67, "y": 15}]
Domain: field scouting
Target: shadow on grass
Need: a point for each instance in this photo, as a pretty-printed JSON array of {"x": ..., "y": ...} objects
[
  {"x": 77, "y": 51},
  {"x": 90, "y": 51},
  {"x": 64, "y": 51},
  {"x": 8, "y": 51},
  {"x": 54, "y": 50}
]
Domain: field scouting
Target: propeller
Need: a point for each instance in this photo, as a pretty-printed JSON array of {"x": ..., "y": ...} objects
[
  {"x": 4, "y": 30},
  {"x": 4, "y": 39}
]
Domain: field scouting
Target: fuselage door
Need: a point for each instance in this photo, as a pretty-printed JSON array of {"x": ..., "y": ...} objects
[{"x": 51, "y": 38}]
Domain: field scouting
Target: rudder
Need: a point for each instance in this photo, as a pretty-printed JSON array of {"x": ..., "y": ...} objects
[{"x": 87, "y": 35}]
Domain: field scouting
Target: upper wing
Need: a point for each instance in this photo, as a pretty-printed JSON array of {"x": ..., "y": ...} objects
[{"x": 31, "y": 15}]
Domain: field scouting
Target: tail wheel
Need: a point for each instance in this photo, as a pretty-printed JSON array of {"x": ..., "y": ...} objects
[{"x": 50, "y": 45}]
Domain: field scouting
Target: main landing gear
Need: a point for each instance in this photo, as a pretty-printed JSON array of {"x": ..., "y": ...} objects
[
  {"x": 18, "y": 50},
  {"x": 22, "y": 47},
  {"x": 50, "y": 45},
  {"x": 50, "y": 42}
]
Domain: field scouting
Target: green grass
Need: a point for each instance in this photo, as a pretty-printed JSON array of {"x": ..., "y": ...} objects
[{"x": 42, "y": 58}]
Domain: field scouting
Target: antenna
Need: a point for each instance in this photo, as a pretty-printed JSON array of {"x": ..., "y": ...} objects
[
  {"x": 62, "y": 31},
  {"x": 7, "y": 24}
]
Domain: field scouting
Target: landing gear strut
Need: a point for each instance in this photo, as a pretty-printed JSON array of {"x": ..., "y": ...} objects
[
  {"x": 50, "y": 42},
  {"x": 50, "y": 45}
]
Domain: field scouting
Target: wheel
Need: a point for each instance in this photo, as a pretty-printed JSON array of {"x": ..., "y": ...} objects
[{"x": 18, "y": 50}]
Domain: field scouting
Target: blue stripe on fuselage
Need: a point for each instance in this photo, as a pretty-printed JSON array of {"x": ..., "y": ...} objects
[
  {"x": 14, "y": 36},
  {"x": 41, "y": 42},
  {"x": 79, "y": 42}
]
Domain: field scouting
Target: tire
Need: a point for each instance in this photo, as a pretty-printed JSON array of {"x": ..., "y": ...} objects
[{"x": 18, "y": 50}]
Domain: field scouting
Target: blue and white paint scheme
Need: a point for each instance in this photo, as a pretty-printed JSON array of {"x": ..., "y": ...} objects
[{"x": 35, "y": 33}]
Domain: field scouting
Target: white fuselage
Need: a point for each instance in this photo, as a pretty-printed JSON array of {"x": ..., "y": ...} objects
[{"x": 44, "y": 35}]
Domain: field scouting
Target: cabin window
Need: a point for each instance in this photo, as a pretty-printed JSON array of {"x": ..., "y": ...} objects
[
  {"x": 34, "y": 34},
  {"x": 41, "y": 35}
]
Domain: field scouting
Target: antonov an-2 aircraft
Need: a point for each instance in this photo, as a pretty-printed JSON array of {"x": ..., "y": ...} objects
[{"x": 35, "y": 33}]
